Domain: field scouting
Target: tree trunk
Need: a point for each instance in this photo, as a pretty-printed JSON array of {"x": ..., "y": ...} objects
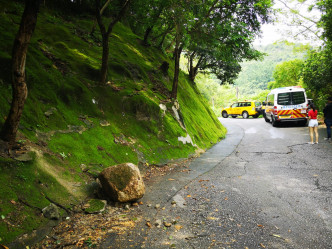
[
  {"x": 104, "y": 63},
  {"x": 193, "y": 73},
  {"x": 177, "y": 54},
  {"x": 19, "y": 87},
  {"x": 193, "y": 70},
  {"x": 146, "y": 35},
  {"x": 191, "y": 66},
  {"x": 106, "y": 34},
  {"x": 101, "y": 13}
]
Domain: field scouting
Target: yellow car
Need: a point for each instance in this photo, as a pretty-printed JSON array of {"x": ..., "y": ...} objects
[{"x": 244, "y": 109}]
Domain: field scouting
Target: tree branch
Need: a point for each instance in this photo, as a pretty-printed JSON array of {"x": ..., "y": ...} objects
[{"x": 298, "y": 13}]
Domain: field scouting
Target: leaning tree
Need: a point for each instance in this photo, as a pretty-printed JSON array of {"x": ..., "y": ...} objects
[{"x": 19, "y": 86}]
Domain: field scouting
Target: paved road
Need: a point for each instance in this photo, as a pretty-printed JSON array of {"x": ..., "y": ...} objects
[{"x": 261, "y": 187}]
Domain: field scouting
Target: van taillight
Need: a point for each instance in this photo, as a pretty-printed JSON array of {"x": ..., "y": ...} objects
[{"x": 275, "y": 111}]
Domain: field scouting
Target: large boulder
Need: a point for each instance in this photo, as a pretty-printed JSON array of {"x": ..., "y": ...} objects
[{"x": 122, "y": 183}]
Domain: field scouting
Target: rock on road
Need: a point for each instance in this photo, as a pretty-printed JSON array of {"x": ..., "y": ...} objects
[{"x": 261, "y": 187}]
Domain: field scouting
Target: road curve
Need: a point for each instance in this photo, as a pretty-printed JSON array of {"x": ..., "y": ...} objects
[{"x": 261, "y": 187}]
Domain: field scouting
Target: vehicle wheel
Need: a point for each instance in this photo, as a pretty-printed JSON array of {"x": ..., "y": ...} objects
[
  {"x": 233, "y": 116},
  {"x": 274, "y": 122},
  {"x": 224, "y": 114},
  {"x": 266, "y": 119},
  {"x": 245, "y": 114}
]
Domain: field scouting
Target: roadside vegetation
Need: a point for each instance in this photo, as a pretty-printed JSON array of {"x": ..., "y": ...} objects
[
  {"x": 284, "y": 63},
  {"x": 256, "y": 77}
]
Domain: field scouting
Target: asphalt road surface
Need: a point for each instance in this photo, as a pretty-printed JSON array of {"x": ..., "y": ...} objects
[{"x": 261, "y": 187}]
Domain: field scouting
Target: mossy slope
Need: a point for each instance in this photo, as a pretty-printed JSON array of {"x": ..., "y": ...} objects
[{"x": 83, "y": 127}]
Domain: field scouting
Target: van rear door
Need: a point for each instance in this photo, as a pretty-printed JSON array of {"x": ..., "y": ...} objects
[{"x": 292, "y": 105}]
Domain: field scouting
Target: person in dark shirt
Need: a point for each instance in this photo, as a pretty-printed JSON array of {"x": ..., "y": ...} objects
[{"x": 328, "y": 118}]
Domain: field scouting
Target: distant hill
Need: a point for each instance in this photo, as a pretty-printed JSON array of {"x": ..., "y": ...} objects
[{"x": 255, "y": 75}]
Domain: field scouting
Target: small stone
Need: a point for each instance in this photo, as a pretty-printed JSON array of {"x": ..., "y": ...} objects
[
  {"x": 50, "y": 112},
  {"x": 167, "y": 224},
  {"x": 148, "y": 205},
  {"x": 86, "y": 205},
  {"x": 157, "y": 223},
  {"x": 104, "y": 123},
  {"x": 26, "y": 157},
  {"x": 173, "y": 202},
  {"x": 94, "y": 206},
  {"x": 157, "y": 206},
  {"x": 126, "y": 207},
  {"x": 135, "y": 204},
  {"x": 84, "y": 168},
  {"x": 88, "y": 123},
  {"x": 51, "y": 212}
]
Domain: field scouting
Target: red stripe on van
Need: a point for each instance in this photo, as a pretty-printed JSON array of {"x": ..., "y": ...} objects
[{"x": 294, "y": 113}]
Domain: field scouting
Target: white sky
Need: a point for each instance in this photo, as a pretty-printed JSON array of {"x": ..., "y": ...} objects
[
  {"x": 270, "y": 34},
  {"x": 280, "y": 30}
]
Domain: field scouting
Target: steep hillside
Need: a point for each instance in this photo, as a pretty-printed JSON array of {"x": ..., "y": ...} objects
[{"x": 73, "y": 127}]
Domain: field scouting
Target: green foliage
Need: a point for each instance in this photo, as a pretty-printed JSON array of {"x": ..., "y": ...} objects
[
  {"x": 218, "y": 96},
  {"x": 317, "y": 75},
  {"x": 325, "y": 6},
  {"x": 287, "y": 73},
  {"x": 317, "y": 71},
  {"x": 261, "y": 96},
  {"x": 221, "y": 39}
]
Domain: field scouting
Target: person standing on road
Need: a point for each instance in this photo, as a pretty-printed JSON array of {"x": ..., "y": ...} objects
[
  {"x": 313, "y": 124},
  {"x": 328, "y": 118}
]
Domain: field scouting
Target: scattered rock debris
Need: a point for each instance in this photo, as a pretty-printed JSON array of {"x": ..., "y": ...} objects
[
  {"x": 88, "y": 230},
  {"x": 155, "y": 170},
  {"x": 84, "y": 230}
]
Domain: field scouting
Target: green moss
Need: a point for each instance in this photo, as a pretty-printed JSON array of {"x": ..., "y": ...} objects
[
  {"x": 95, "y": 206},
  {"x": 24, "y": 183},
  {"x": 121, "y": 177}
]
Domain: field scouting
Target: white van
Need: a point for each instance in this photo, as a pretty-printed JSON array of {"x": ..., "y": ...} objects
[{"x": 286, "y": 104}]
